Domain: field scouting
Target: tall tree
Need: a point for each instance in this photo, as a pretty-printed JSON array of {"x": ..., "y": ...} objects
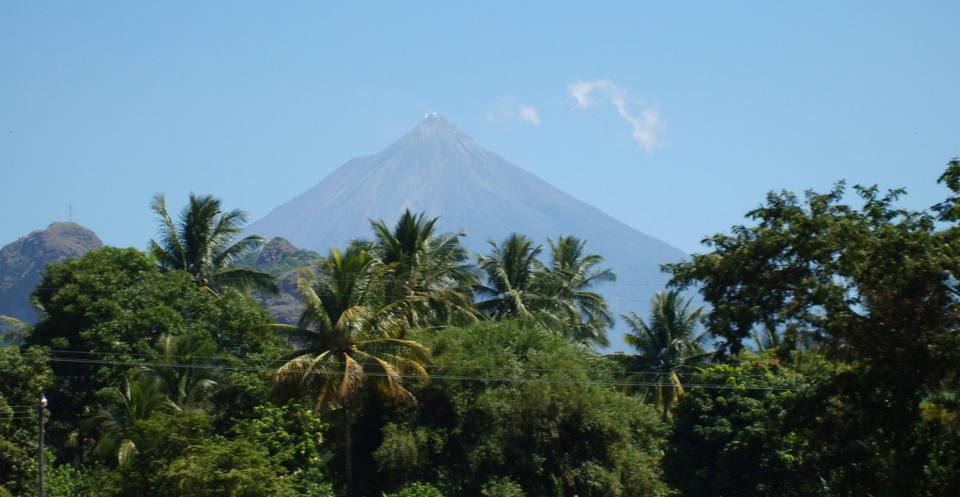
[
  {"x": 346, "y": 338},
  {"x": 876, "y": 286},
  {"x": 668, "y": 346},
  {"x": 417, "y": 262},
  {"x": 201, "y": 242},
  {"x": 573, "y": 273},
  {"x": 516, "y": 285}
]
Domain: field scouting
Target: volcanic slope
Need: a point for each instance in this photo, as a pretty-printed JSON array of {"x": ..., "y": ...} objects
[{"x": 437, "y": 169}]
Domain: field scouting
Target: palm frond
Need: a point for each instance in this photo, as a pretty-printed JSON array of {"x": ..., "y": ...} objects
[
  {"x": 227, "y": 256},
  {"x": 244, "y": 280},
  {"x": 169, "y": 251}
]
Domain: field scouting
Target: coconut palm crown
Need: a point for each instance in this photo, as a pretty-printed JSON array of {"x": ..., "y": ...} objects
[
  {"x": 415, "y": 262},
  {"x": 668, "y": 345},
  {"x": 513, "y": 273},
  {"x": 201, "y": 242},
  {"x": 573, "y": 273},
  {"x": 345, "y": 338}
]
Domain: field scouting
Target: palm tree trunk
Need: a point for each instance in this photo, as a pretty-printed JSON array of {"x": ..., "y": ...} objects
[
  {"x": 666, "y": 409},
  {"x": 661, "y": 399},
  {"x": 347, "y": 446}
]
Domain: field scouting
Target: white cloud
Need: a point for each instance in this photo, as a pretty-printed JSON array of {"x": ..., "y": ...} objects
[
  {"x": 648, "y": 126},
  {"x": 529, "y": 114},
  {"x": 512, "y": 109}
]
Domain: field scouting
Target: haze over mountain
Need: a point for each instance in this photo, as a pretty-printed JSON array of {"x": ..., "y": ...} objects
[
  {"x": 437, "y": 169},
  {"x": 23, "y": 261}
]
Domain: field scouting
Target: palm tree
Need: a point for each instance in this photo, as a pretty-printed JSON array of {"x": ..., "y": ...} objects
[
  {"x": 202, "y": 243},
  {"x": 345, "y": 338},
  {"x": 516, "y": 287},
  {"x": 138, "y": 396},
  {"x": 184, "y": 367},
  {"x": 572, "y": 273},
  {"x": 668, "y": 345},
  {"x": 173, "y": 383},
  {"x": 416, "y": 262}
]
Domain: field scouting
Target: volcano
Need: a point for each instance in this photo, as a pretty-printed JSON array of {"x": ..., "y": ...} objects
[{"x": 439, "y": 170}]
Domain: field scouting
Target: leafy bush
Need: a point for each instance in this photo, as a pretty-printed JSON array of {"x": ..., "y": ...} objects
[
  {"x": 502, "y": 487},
  {"x": 66, "y": 481},
  {"x": 417, "y": 489},
  {"x": 223, "y": 468},
  {"x": 291, "y": 434}
]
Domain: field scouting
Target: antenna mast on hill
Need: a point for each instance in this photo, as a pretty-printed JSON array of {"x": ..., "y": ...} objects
[{"x": 70, "y": 213}]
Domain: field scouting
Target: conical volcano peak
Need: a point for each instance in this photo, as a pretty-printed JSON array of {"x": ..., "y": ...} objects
[
  {"x": 435, "y": 122},
  {"x": 435, "y": 129}
]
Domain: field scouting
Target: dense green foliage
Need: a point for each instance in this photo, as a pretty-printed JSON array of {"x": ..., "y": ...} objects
[
  {"x": 23, "y": 376},
  {"x": 740, "y": 440},
  {"x": 530, "y": 419},
  {"x": 874, "y": 287},
  {"x": 412, "y": 373},
  {"x": 417, "y": 489},
  {"x": 112, "y": 307}
]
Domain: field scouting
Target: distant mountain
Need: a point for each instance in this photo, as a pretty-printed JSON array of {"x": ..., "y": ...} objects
[
  {"x": 22, "y": 263},
  {"x": 437, "y": 169},
  {"x": 281, "y": 259}
]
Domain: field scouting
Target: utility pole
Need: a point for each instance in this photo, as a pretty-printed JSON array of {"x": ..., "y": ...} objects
[{"x": 41, "y": 410}]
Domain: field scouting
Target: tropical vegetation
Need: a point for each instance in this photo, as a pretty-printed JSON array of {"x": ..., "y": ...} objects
[{"x": 813, "y": 350}]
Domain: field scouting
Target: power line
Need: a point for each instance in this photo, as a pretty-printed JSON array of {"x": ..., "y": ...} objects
[
  {"x": 101, "y": 278},
  {"x": 321, "y": 294},
  {"x": 652, "y": 372},
  {"x": 441, "y": 377}
]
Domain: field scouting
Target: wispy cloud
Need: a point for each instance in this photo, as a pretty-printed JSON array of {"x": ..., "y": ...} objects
[
  {"x": 648, "y": 126},
  {"x": 511, "y": 109}
]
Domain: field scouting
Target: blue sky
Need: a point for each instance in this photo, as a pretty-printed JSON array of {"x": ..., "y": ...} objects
[{"x": 675, "y": 118}]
